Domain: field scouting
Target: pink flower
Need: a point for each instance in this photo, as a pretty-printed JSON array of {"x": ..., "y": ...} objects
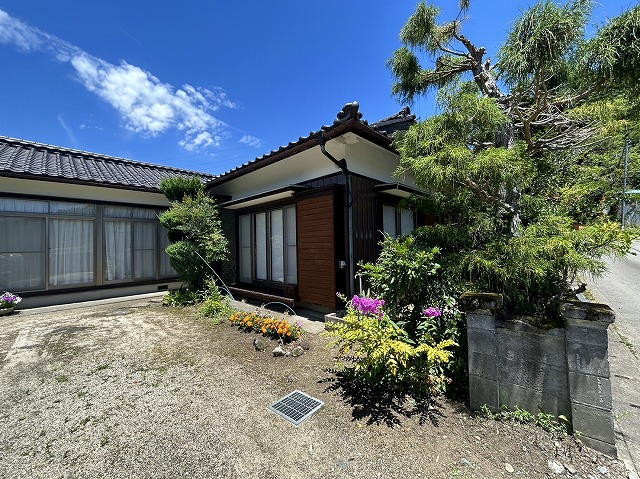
[
  {"x": 366, "y": 305},
  {"x": 432, "y": 312}
]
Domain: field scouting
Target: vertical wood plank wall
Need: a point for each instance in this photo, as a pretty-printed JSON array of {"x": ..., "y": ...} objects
[{"x": 316, "y": 251}]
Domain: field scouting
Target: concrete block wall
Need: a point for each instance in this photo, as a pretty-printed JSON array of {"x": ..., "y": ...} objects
[{"x": 563, "y": 371}]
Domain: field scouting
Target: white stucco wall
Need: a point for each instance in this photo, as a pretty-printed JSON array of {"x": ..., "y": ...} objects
[{"x": 80, "y": 192}]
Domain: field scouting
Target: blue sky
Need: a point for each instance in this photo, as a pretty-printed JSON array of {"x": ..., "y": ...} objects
[{"x": 207, "y": 85}]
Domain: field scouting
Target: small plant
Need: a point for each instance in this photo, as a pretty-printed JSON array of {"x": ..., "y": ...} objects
[
  {"x": 268, "y": 326},
  {"x": 546, "y": 421},
  {"x": 9, "y": 300},
  {"x": 182, "y": 297},
  {"x": 214, "y": 304},
  {"x": 384, "y": 354}
]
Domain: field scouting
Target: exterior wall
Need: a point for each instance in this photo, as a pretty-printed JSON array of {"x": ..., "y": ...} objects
[
  {"x": 564, "y": 371},
  {"x": 16, "y": 186},
  {"x": 316, "y": 248}
]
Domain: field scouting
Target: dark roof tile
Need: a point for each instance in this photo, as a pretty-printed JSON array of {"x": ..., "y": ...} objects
[{"x": 27, "y": 158}]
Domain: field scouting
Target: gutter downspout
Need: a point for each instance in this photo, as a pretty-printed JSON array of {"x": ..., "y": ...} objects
[{"x": 342, "y": 164}]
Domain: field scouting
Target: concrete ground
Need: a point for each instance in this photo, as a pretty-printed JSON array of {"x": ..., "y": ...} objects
[{"x": 620, "y": 289}]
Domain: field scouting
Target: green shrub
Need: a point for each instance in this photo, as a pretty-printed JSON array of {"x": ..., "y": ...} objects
[
  {"x": 385, "y": 356},
  {"x": 214, "y": 305},
  {"x": 181, "y": 297},
  {"x": 410, "y": 281},
  {"x": 194, "y": 226},
  {"x": 176, "y": 188}
]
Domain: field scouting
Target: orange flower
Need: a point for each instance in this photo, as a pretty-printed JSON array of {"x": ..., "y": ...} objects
[
  {"x": 264, "y": 330},
  {"x": 249, "y": 323},
  {"x": 288, "y": 333}
]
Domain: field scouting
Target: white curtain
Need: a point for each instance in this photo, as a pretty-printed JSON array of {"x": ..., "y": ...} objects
[
  {"x": 277, "y": 247},
  {"x": 117, "y": 242},
  {"x": 245, "y": 248},
  {"x": 70, "y": 251},
  {"x": 261, "y": 246}
]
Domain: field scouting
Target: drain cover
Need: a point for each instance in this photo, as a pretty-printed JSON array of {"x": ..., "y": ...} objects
[{"x": 296, "y": 407}]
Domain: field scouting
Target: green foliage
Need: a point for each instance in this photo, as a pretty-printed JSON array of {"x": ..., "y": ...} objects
[
  {"x": 408, "y": 278},
  {"x": 524, "y": 183},
  {"x": 214, "y": 305},
  {"x": 382, "y": 355},
  {"x": 176, "y": 188},
  {"x": 403, "y": 277},
  {"x": 546, "y": 421},
  {"x": 196, "y": 231},
  {"x": 181, "y": 297}
]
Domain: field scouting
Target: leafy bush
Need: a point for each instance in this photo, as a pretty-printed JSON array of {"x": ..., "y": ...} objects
[
  {"x": 176, "y": 188},
  {"x": 261, "y": 322},
  {"x": 410, "y": 282},
  {"x": 181, "y": 297},
  {"x": 214, "y": 304},
  {"x": 197, "y": 239},
  {"x": 385, "y": 356}
]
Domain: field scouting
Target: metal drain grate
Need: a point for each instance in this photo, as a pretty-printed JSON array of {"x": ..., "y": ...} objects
[{"x": 296, "y": 407}]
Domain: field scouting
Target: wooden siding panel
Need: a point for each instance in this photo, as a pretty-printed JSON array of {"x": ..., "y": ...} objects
[{"x": 316, "y": 250}]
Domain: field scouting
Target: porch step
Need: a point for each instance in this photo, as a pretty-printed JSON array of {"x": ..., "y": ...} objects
[{"x": 261, "y": 296}]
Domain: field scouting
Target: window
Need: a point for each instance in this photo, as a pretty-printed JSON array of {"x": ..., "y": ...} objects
[
  {"x": 267, "y": 246},
  {"x": 52, "y": 244},
  {"x": 397, "y": 222}
]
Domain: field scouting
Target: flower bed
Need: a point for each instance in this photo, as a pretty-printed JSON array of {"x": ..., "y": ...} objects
[{"x": 268, "y": 326}]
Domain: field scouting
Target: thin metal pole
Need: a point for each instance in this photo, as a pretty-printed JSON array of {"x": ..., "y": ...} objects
[{"x": 624, "y": 179}]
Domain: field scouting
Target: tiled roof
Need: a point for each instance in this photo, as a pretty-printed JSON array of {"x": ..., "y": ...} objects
[
  {"x": 29, "y": 159},
  {"x": 383, "y": 128}
]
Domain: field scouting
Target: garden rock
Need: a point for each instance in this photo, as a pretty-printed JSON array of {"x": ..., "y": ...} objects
[
  {"x": 297, "y": 351},
  {"x": 306, "y": 345},
  {"x": 508, "y": 467},
  {"x": 279, "y": 351},
  {"x": 555, "y": 467},
  {"x": 260, "y": 343}
]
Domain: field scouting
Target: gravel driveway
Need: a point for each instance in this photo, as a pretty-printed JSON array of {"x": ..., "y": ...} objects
[{"x": 136, "y": 390}]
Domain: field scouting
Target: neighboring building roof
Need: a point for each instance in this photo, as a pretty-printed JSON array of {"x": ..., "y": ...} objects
[
  {"x": 347, "y": 119},
  {"x": 30, "y": 160}
]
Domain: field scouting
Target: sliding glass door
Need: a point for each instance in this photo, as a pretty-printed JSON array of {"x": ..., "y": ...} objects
[{"x": 267, "y": 246}]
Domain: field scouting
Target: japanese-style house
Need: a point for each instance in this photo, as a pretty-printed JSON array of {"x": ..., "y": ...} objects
[{"x": 301, "y": 218}]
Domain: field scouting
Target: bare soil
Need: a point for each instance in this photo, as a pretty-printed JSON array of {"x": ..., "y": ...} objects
[{"x": 138, "y": 390}]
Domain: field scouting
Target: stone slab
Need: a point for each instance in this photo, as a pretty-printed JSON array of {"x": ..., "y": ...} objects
[
  {"x": 534, "y": 375},
  {"x": 593, "y": 422},
  {"x": 533, "y": 401},
  {"x": 483, "y": 365},
  {"x": 588, "y": 359},
  {"x": 481, "y": 341},
  {"x": 589, "y": 389},
  {"x": 483, "y": 391}
]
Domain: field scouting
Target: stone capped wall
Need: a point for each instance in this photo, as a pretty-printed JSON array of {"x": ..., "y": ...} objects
[{"x": 563, "y": 371}]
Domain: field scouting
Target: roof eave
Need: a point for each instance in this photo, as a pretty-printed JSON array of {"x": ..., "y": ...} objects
[{"x": 351, "y": 125}]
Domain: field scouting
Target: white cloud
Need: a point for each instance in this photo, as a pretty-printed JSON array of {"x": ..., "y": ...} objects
[
  {"x": 147, "y": 105},
  {"x": 69, "y": 131},
  {"x": 250, "y": 141}
]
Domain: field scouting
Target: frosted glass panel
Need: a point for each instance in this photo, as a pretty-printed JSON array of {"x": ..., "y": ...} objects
[
  {"x": 407, "y": 222},
  {"x": 261, "y": 246},
  {"x": 166, "y": 270},
  {"x": 290, "y": 247},
  {"x": 245, "y": 247},
  {"x": 70, "y": 252},
  {"x": 22, "y": 253},
  {"x": 389, "y": 220},
  {"x": 64, "y": 208},
  {"x": 23, "y": 206},
  {"x": 145, "y": 250},
  {"x": 277, "y": 247}
]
